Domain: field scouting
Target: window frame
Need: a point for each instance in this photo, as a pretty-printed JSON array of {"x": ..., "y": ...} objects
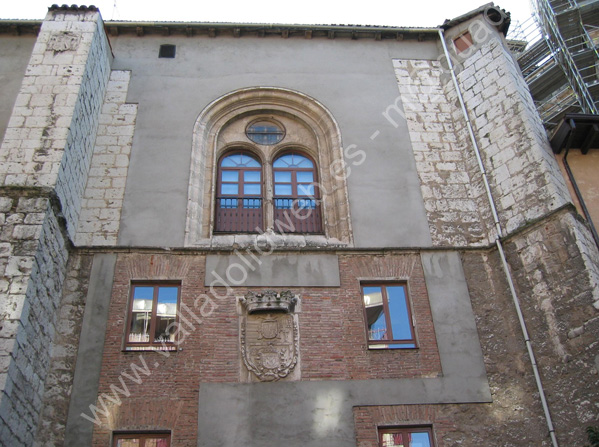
[
  {"x": 406, "y": 430},
  {"x": 241, "y": 196},
  {"x": 142, "y": 436},
  {"x": 150, "y": 345},
  {"x": 294, "y": 183},
  {"x": 372, "y": 344},
  {"x": 310, "y": 222},
  {"x": 282, "y": 132},
  {"x": 292, "y": 209}
]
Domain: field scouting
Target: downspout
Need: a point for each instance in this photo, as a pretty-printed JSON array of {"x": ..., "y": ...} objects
[
  {"x": 500, "y": 246},
  {"x": 577, "y": 192}
]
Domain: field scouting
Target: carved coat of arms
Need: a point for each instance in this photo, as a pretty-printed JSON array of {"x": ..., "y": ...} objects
[{"x": 269, "y": 340}]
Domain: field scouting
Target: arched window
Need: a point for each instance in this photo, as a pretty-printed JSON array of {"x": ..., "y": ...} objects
[
  {"x": 283, "y": 131},
  {"x": 239, "y": 194},
  {"x": 296, "y": 204}
]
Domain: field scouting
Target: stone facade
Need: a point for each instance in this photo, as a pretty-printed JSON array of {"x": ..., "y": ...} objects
[
  {"x": 98, "y": 148},
  {"x": 103, "y": 196},
  {"x": 45, "y": 157}
]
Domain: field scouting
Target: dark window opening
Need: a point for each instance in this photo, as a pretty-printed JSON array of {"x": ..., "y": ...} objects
[
  {"x": 167, "y": 51},
  {"x": 463, "y": 42}
]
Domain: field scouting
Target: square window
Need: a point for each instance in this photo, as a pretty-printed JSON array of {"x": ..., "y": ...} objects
[
  {"x": 141, "y": 440},
  {"x": 406, "y": 437},
  {"x": 388, "y": 316},
  {"x": 152, "y": 318}
]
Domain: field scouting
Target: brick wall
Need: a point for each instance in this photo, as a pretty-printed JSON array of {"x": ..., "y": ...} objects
[{"x": 332, "y": 339}]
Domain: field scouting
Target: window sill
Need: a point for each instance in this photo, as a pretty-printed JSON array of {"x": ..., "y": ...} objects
[
  {"x": 134, "y": 349},
  {"x": 268, "y": 241},
  {"x": 392, "y": 348}
]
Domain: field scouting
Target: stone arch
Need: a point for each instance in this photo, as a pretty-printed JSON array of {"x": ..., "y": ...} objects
[{"x": 277, "y": 102}]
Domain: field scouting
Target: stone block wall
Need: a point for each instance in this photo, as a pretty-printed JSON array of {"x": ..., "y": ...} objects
[
  {"x": 558, "y": 296},
  {"x": 59, "y": 381},
  {"x": 44, "y": 160},
  {"x": 103, "y": 197},
  {"x": 35, "y": 271},
  {"x": 50, "y": 136},
  {"x": 453, "y": 194},
  {"x": 525, "y": 178}
]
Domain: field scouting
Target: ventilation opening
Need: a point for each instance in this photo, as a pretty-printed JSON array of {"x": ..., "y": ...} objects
[
  {"x": 167, "y": 51},
  {"x": 463, "y": 42}
]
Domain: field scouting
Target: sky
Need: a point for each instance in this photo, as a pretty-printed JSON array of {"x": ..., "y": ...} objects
[{"x": 424, "y": 13}]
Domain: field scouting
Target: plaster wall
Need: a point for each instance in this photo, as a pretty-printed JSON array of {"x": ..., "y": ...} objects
[
  {"x": 15, "y": 52},
  {"x": 584, "y": 168},
  {"x": 353, "y": 79},
  {"x": 315, "y": 413}
]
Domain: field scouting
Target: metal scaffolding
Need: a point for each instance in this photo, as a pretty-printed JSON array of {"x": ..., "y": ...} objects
[{"x": 557, "y": 53}]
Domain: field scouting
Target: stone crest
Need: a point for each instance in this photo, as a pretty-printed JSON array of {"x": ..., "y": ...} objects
[
  {"x": 269, "y": 335},
  {"x": 65, "y": 41}
]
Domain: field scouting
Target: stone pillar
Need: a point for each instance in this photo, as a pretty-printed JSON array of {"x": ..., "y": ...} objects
[{"x": 44, "y": 163}]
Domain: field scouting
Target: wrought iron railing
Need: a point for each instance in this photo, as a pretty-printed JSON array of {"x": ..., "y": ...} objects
[
  {"x": 239, "y": 215},
  {"x": 297, "y": 215}
]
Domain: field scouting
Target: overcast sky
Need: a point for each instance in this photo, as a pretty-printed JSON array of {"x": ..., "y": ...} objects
[{"x": 424, "y": 13}]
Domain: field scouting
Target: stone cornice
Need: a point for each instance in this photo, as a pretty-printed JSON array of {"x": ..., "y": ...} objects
[{"x": 192, "y": 29}]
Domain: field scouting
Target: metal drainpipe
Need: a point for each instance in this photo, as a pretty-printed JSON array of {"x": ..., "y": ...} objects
[
  {"x": 577, "y": 192},
  {"x": 500, "y": 246}
]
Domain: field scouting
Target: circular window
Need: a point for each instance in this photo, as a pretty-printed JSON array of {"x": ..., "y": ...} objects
[{"x": 265, "y": 132}]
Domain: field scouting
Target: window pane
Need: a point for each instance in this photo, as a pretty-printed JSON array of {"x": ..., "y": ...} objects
[
  {"x": 283, "y": 176},
  {"x": 293, "y": 161},
  {"x": 305, "y": 177},
  {"x": 249, "y": 162},
  {"x": 127, "y": 443},
  {"x": 252, "y": 203},
  {"x": 375, "y": 314},
  {"x": 141, "y": 314},
  {"x": 398, "y": 312},
  {"x": 305, "y": 190},
  {"x": 283, "y": 204},
  {"x": 393, "y": 440},
  {"x": 229, "y": 189},
  {"x": 251, "y": 176},
  {"x": 231, "y": 161},
  {"x": 283, "y": 162},
  {"x": 166, "y": 312},
  {"x": 228, "y": 202},
  {"x": 251, "y": 189},
  {"x": 265, "y": 132},
  {"x": 282, "y": 190},
  {"x": 306, "y": 204},
  {"x": 230, "y": 176},
  {"x": 420, "y": 439},
  {"x": 301, "y": 162}
]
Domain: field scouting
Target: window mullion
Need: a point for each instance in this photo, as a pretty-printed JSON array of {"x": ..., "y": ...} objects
[
  {"x": 153, "y": 317},
  {"x": 387, "y": 312}
]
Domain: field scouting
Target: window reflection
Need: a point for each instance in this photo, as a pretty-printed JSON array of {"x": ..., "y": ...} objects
[{"x": 388, "y": 317}]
